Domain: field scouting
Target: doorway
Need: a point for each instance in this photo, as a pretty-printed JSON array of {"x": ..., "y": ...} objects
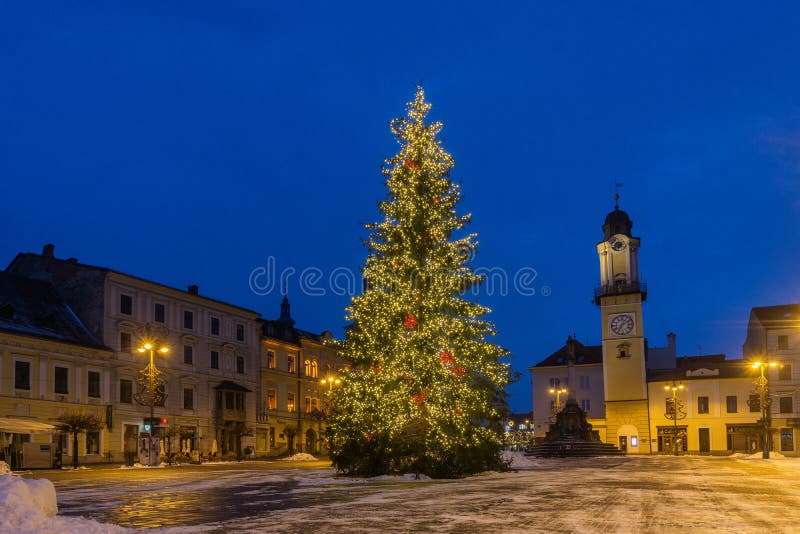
[
  {"x": 623, "y": 443},
  {"x": 704, "y": 437}
]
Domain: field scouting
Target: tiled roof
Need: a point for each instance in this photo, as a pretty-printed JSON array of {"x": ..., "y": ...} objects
[
  {"x": 32, "y": 307},
  {"x": 783, "y": 316},
  {"x": 694, "y": 368},
  {"x": 584, "y": 355}
]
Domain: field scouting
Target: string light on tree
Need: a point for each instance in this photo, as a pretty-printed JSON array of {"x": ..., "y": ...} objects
[{"x": 425, "y": 389}]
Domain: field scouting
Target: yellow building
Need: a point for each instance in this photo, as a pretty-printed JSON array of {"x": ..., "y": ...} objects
[{"x": 298, "y": 371}]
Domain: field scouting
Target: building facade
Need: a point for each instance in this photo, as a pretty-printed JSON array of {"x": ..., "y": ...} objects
[
  {"x": 717, "y": 401},
  {"x": 234, "y": 384}
]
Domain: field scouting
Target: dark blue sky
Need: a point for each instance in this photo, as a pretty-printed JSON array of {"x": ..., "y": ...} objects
[{"x": 189, "y": 143}]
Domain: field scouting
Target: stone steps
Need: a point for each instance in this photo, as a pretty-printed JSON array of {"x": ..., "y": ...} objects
[{"x": 573, "y": 447}]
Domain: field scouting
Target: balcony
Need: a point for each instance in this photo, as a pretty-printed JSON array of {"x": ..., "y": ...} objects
[{"x": 620, "y": 288}]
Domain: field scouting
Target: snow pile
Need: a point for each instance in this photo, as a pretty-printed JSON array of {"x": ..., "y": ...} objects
[
  {"x": 519, "y": 460},
  {"x": 406, "y": 476},
  {"x": 300, "y": 457},
  {"x": 772, "y": 456},
  {"x": 30, "y": 506},
  {"x": 4, "y": 469}
]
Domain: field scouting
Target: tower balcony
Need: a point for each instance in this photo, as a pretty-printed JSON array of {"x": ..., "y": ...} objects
[{"x": 620, "y": 288}]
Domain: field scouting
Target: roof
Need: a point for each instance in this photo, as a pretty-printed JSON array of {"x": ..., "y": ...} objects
[
  {"x": 23, "y": 257},
  {"x": 773, "y": 317},
  {"x": 584, "y": 354},
  {"x": 617, "y": 222},
  {"x": 227, "y": 385},
  {"x": 702, "y": 367},
  {"x": 33, "y": 307}
]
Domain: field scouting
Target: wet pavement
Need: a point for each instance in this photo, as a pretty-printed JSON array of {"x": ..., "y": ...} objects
[{"x": 621, "y": 494}]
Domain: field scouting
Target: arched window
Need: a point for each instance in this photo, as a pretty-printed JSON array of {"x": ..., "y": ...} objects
[
  {"x": 314, "y": 368},
  {"x": 308, "y": 367}
]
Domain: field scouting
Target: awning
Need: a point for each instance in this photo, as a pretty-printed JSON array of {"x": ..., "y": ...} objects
[{"x": 24, "y": 426}]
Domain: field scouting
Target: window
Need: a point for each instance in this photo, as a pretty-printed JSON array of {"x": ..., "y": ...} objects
[
  {"x": 158, "y": 313},
  {"x": 308, "y": 367},
  {"x": 271, "y": 359},
  {"x": 785, "y": 372},
  {"x": 214, "y": 359},
  {"x": 783, "y": 342},
  {"x": 240, "y": 402},
  {"x": 755, "y": 403},
  {"x": 22, "y": 375},
  {"x": 124, "y": 342},
  {"x": 702, "y": 404},
  {"x": 93, "y": 389},
  {"x": 731, "y": 403},
  {"x": 93, "y": 442},
  {"x": 240, "y": 332},
  {"x": 188, "y": 399},
  {"x": 585, "y": 405},
  {"x": 272, "y": 399},
  {"x": 229, "y": 400},
  {"x": 214, "y": 326},
  {"x": 291, "y": 363},
  {"x": 308, "y": 404},
  {"x": 240, "y": 364},
  {"x": 584, "y": 382},
  {"x": 188, "y": 354},
  {"x": 126, "y": 304},
  {"x": 290, "y": 402},
  {"x": 61, "y": 381},
  {"x": 623, "y": 350},
  {"x": 314, "y": 368},
  {"x": 786, "y": 404},
  {"x": 555, "y": 382},
  {"x": 314, "y": 404},
  {"x": 125, "y": 391},
  {"x": 188, "y": 320},
  {"x": 787, "y": 439}
]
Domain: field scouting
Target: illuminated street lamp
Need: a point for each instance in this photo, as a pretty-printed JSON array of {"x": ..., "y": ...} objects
[
  {"x": 151, "y": 388},
  {"x": 675, "y": 411},
  {"x": 557, "y": 392},
  {"x": 762, "y": 384},
  {"x": 331, "y": 381}
]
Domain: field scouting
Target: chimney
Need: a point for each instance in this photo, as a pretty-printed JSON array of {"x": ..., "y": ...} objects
[
  {"x": 192, "y": 289},
  {"x": 47, "y": 251},
  {"x": 671, "y": 344}
]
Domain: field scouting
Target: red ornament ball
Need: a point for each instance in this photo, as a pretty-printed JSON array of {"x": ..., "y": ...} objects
[
  {"x": 411, "y": 164},
  {"x": 410, "y": 322},
  {"x": 446, "y": 357}
]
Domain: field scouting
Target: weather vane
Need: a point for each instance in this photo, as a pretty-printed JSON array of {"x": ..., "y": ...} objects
[{"x": 617, "y": 185}]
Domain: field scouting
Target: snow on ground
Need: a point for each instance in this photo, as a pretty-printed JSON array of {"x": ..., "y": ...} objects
[
  {"x": 300, "y": 457},
  {"x": 610, "y": 495},
  {"x": 30, "y": 506}
]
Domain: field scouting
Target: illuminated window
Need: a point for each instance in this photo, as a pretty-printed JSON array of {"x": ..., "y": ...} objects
[
  {"x": 290, "y": 406},
  {"x": 308, "y": 367},
  {"x": 308, "y": 404},
  {"x": 314, "y": 368},
  {"x": 271, "y": 359},
  {"x": 93, "y": 442},
  {"x": 272, "y": 399},
  {"x": 291, "y": 363}
]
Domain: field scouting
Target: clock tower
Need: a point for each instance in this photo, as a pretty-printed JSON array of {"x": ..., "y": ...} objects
[{"x": 620, "y": 296}]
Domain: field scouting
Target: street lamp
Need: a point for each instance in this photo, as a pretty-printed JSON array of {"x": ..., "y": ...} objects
[
  {"x": 331, "y": 381},
  {"x": 557, "y": 392},
  {"x": 675, "y": 411},
  {"x": 762, "y": 384},
  {"x": 151, "y": 388}
]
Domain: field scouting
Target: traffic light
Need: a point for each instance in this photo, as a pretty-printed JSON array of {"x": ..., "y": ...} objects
[
  {"x": 164, "y": 421},
  {"x": 156, "y": 421}
]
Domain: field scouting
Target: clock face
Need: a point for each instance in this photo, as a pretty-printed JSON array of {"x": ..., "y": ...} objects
[
  {"x": 622, "y": 325},
  {"x": 617, "y": 244}
]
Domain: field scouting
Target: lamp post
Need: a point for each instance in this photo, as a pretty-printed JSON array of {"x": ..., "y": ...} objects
[
  {"x": 675, "y": 411},
  {"x": 332, "y": 381},
  {"x": 150, "y": 388},
  {"x": 557, "y": 392},
  {"x": 762, "y": 384}
]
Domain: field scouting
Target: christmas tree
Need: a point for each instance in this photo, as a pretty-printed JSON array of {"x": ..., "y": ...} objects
[{"x": 425, "y": 389}]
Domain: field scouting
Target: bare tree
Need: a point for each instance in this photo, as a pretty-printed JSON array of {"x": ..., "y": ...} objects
[{"x": 74, "y": 423}]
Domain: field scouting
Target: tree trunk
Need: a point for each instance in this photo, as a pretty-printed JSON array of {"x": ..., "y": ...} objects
[{"x": 74, "y": 450}]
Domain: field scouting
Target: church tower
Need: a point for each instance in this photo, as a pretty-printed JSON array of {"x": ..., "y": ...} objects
[{"x": 620, "y": 296}]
